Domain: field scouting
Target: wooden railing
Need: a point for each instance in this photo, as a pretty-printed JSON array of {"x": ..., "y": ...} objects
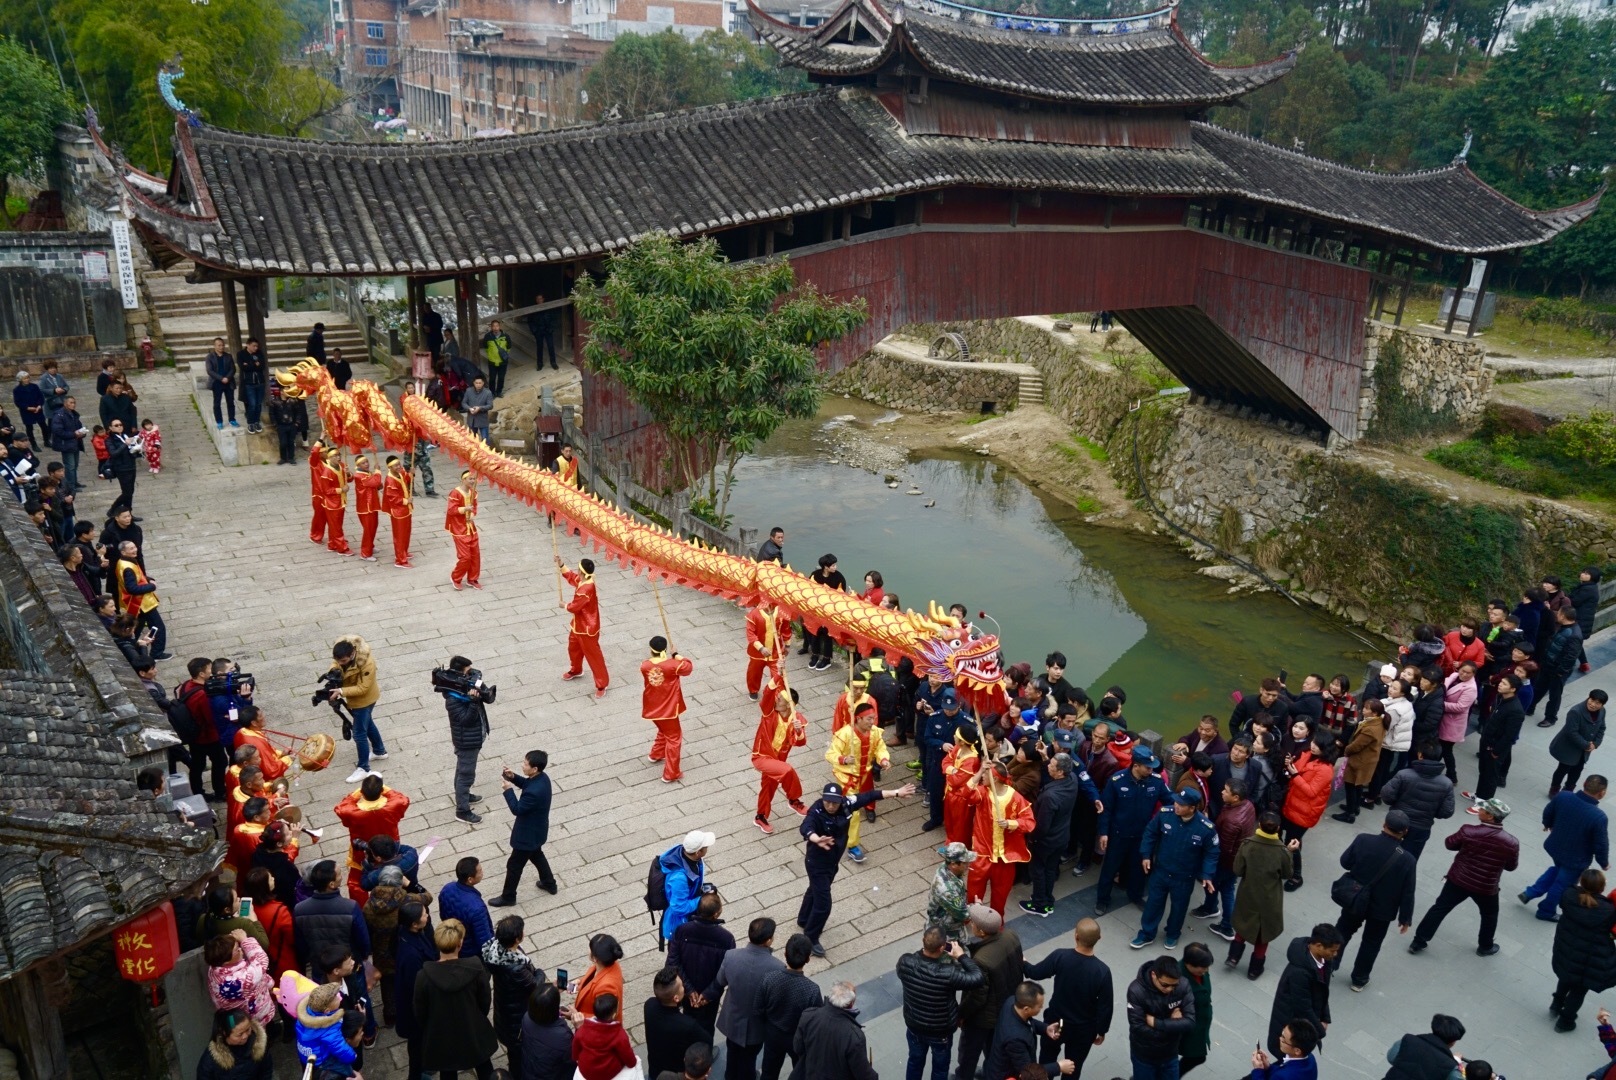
[{"x": 614, "y": 481}]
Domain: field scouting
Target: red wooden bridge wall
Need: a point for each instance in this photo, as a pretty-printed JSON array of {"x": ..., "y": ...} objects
[{"x": 1300, "y": 317}]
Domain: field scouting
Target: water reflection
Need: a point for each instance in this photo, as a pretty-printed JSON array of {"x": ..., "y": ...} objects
[{"x": 1124, "y": 608}]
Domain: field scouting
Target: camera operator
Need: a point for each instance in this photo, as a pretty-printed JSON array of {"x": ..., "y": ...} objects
[
  {"x": 358, "y": 692},
  {"x": 468, "y": 727},
  {"x": 229, "y": 691}
]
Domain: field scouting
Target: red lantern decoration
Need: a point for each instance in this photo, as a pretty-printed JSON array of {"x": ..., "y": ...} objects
[{"x": 147, "y": 946}]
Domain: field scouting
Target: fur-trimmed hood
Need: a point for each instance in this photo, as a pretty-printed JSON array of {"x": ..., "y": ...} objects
[{"x": 224, "y": 1055}]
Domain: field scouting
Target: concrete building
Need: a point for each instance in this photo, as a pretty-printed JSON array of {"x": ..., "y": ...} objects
[
  {"x": 1534, "y": 9},
  {"x": 506, "y": 65}
]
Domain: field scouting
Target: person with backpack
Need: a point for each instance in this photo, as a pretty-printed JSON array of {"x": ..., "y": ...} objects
[
  {"x": 206, "y": 749},
  {"x": 676, "y": 882}
]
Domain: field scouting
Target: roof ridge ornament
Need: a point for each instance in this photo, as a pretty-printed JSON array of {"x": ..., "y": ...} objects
[{"x": 1464, "y": 151}]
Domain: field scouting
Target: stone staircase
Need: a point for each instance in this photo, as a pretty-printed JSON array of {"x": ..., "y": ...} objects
[
  {"x": 190, "y": 316},
  {"x": 1032, "y": 389}
]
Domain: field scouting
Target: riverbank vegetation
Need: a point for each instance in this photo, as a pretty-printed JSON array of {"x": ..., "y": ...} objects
[{"x": 1514, "y": 448}]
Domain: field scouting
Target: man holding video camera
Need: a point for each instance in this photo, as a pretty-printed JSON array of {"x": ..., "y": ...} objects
[
  {"x": 351, "y": 660},
  {"x": 465, "y": 696}
]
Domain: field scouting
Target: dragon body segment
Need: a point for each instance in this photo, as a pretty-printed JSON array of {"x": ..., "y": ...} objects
[{"x": 935, "y": 641}]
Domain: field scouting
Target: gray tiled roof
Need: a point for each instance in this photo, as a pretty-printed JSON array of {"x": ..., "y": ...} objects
[
  {"x": 80, "y": 849},
  {"x": 1150, "y": 66},
  {"x": 297, "y": 206}
]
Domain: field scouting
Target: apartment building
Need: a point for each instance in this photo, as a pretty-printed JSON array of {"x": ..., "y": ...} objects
[{"x": 469, "y": 66}]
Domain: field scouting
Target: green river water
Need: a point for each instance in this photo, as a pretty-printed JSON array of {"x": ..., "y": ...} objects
[{"x": 1125, "y": 608}]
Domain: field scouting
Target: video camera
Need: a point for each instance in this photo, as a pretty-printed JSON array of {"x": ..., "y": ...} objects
[
  {"x": 235, "y": 683},
  {"x": 446, "y": 681},
  {"x": 329, "y": 682}
]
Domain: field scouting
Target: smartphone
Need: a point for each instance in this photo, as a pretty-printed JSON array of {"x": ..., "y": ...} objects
[
  {"x": 244, "y": 910},
  {"x": 561, "y": 978},
  {"x": 1283, "y": 674}
]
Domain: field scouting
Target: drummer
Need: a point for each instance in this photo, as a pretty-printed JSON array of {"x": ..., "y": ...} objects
[{"x": 272, "y": 761}]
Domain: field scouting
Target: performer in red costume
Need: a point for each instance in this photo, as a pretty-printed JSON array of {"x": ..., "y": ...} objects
[
  {"x": 664, "y": 703},
  {"x": 583, "y": 638},
  {"x": 334, "y": 497},
  {"x": 317, "y": 484},
  {"x": 367, "y": 505},
  {"x": 998, "y": 835},
  {"x": 961, "y": 762},
  {"x": 780, "y": 729},
  {"x": 398, "y": 499},
  {"x": 459, "y": 519},
  {"x": 767, "y": 634},
  {"x": 373, "y": 810}
]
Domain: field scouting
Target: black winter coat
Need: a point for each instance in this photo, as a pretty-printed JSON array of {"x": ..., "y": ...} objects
[
  {"x": 221, "y": 1061},
  {"x": 1000, "y": 958},
  {"x": 1422, "y": 792},
  {"x": 1392, "y": 897},
  {"x": 1303, "y": 991},
  {"x": 1428, "y": 715},
  {"x": 930, "y": 991},
  {"x": 829, "y": 1045},
  {"x": 697, "y": 950},
  {"x": 1560, "y": 654},
  {"x": 451, "y": 1003},
  {"x": 1421, "y": 1057},
  {"x": 468, "y": 722},
  {"x": 1158, "y": 1042},
  {"x": 1584, "y": 951},
  {"x": 1585, "y": 598},
  {"x": 1570, "y": 745},
  {"x": 514, "y": 979}
]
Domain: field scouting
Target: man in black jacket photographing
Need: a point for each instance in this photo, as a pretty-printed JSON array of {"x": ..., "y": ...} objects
[{"x": 464, "y": 696}]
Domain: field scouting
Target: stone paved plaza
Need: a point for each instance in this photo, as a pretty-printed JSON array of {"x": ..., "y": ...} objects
[{"x": 238, "y": 577}]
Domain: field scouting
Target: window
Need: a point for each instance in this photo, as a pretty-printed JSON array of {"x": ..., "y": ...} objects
[
  {"x": 375, "y": 57},
  {"x": 376, "y": 31}
]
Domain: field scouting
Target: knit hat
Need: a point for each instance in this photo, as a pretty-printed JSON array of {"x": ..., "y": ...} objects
[
  {"x": 324, "y": 998},
  {"x": 956, "y": 852},
  {"x": 1388, "y": 671}
]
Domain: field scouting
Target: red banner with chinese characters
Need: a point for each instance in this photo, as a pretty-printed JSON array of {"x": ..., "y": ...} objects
[{"x": 147, "y": 946}]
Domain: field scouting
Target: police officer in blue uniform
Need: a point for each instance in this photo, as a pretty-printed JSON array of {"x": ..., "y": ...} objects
[
  {"x": 825, "y": 828},
  {"x": 1130, "y": 801},
  {"x": 1180, "y": 848},
  {"x": 937, "y": 730}
]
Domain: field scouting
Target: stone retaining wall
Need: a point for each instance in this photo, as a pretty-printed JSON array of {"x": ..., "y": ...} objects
[
  {"x": 1287, "y": 504},
  {"x": 61, "y": 253},
  {"x": 1090, "y": 395},
  {"x": 918, "y": 384},
  {"x": 1448, "y": 374}
]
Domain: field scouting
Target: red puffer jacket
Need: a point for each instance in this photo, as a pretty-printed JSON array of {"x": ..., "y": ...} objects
[
  {"x": 1309, "y": 792},
  {"x": 1485, "y": 853}
]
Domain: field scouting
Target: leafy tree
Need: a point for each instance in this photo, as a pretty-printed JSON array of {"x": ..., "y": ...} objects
[
  {"x": 32, "y": 103},
  {"x": 1316, "y": 98},
  {"x": 652, "y": 73},
  {"x": 719, "y": 354},
  {"x": 241, "y": 68},
  {"x": 1541, "y": 113}
]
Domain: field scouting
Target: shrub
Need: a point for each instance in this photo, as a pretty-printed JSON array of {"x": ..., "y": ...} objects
[
  {"x": 1499, "y": 420},
  {"x": 1589, "y": 439}
]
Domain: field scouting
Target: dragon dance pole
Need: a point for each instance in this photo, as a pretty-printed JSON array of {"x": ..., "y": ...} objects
[
  {"x": 657, "y": 592},
  {"x": 555, "y": 548}
]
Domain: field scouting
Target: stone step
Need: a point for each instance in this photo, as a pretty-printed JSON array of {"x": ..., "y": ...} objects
[
  {"x": 278, "y": 343},
  {"x": 1031, "y": 390}
]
